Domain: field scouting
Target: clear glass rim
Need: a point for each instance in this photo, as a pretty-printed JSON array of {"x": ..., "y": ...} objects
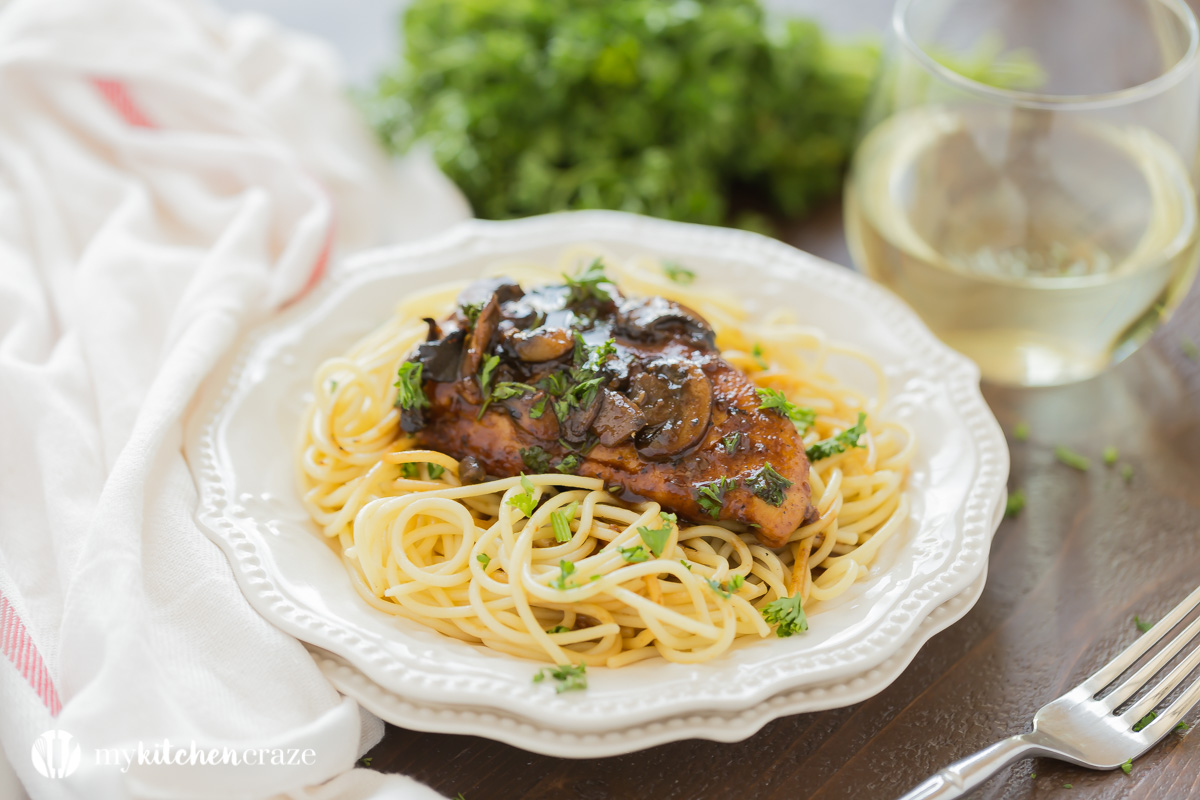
[{"x": 1131, "y": 94}]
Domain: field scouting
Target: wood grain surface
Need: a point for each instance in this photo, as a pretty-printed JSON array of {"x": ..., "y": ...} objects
[{"x": 1066, "y": 577}]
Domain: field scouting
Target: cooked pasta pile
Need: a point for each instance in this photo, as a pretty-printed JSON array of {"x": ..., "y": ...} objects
[{"x": 469, "y": 561}]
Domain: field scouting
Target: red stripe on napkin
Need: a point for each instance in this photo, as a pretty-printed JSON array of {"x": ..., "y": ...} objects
[
  {"x": 117, "y": 95},
  {"x": 17, "y": 645}
]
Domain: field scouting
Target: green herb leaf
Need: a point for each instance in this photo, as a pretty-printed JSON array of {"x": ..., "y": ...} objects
[
  {"x": 484, "y": 558},
  {"x": 524, "y": 501},
  {"x": 656, "y": 538},
  {"x": 1182, "y": 727},
  {"x": 686, "y": 565},
  {"x": 485, "y": 373},
  {"x": 1141, "y": 624},
  {"x": 1127, "y": 767},
  {"x": 757, "y": 352},
  {"x": 1189, "y": 348},
  {"x": 560, "y": 520},
  {"x": 569, "y": 464},
  {"x": 537, "y": 459},
  {"x": 558, "y": 629},
  {"x": 787, "y": 615},
  {"x": 711, "y": 496},
  {"x": 774, "y": 399},
  {"x": 1015, "y": 504},
  {"x": 568, "y": 677},
  {"x": 728, "y": 589},
  {"x": 1072, "y": 459},
  {"x": 838, "y": 444},
  {"x": 1127, "y": 472},
  {"x": 678, "y": 273},
  {"x": 769, "y": 485},
  {"x": 409, "y": 470},
  {"x": 731, "y": 442},
  {"x": 412, "y": 393},
  {"x": 1110, "y": 455},
  {"x": 1146, "y": 720},
  {"x": 435, "y": 471},
  {"x": 565, "y": 570},
  {"x": 471, "y": 311},
  {"x": 589, "y": 284},
  {"x": 634, "y": 555},
  {"x": 1021, "y": 431}
]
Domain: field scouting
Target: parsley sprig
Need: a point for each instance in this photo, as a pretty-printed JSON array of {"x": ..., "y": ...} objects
[
  {"x": 635, "y": 554},
  {"x": 588, "y": 285},
  {"x": 769, "y": 485},
  {"x": 656, "y": 538},
  {"x": 728, "y": 589},
  {"x": 560, "y": 521},
  {"x": 567, "y": 677},
  {"x": 524, "y": 501},
  {"x": 711, "y": 495},
  {"x": 801, "y": 416},
  {"x": 838, "y": 444},
  {"x": 787, "y": 615},
  {"x": 412, "y": 393},
  {"x": 678, "y": 273}
]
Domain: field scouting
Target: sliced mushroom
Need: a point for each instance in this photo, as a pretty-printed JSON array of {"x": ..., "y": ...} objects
[
  {"x": 538, "y": 344},
  {"x": 617, "y": 420},
  {"x": 478, "y": 344},
  {"x": 440, "y": 358},
  {"x": 656, "y": 319},
  {"x": 675, "y": 397},
  {"x": 543, "y": 428},
  {"x": 482, "y": 291},
  {"x": 577, "y": 423}
]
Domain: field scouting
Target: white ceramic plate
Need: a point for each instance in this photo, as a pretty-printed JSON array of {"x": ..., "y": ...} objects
[
  {"x": 719, "y": 726},
  {"x": 240, "y": 451}
]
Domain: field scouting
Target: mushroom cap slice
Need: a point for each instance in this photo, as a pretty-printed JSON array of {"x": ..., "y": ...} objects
[{"x": 675, "y": 397}]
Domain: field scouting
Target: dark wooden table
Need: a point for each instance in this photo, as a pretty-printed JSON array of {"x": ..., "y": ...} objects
[{"x": 1066, "y": 577}]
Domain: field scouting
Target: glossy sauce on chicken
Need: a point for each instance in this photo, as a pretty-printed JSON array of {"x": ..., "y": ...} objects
[{"x": 579, "y": 379}]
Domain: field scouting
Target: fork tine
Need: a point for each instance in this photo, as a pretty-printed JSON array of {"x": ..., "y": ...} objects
[
  {"x": 1113, "y": 669},
  {"x": 1164, "y": 687},
  {"x": 1148, "y": 670},
  {"x": 1171, "y": 716}
]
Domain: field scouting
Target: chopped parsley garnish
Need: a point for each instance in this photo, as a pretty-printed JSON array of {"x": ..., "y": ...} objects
[
  {"x": 587, "y": 285},
  {"x": 711, "y": 496},
  {"x": 509, "y": 389},
  {"x": 1015, "y": 504},
  {"x": 411, "y": 394},
  {"x": 1141, "y": 624},
  {"x": 568, "y": 677},
  {"x": 656, "y": 538},
  {"x": 484, "y": 558},
  {"x": 471, "y": 311},
  {"x": 569, "y": 465},
  {"x": 634, "y": 555},
  {"x": 537, "y": 459},
  {"x": 560, "y": 520},
  {"x": 1146, "y": 720},
  {"x": 731, "y": 442},
  {"x": 1072, "y": 459},
  {"x": 769, "y": 485},
  {"x": 409, "y": 470},
  {"x": 485, "y": 373},
  {"x": 678, "y": 273},
  {"x": 838, "y": 444},
  {"x": 1127, "y": 472},
  {"x": 558, "y": 629},
  {"x": 565, "y": 570},
  {"x": 435, "y": 471},
  {"x": 1182, "y": 727},
  {"x": 686, "y": 565},
  {"x": 1021, "y": 431},
  {"x": 787, "y": 615},
  {"x": 1110, "y": 455},
  {"x": 775, "y": 399},
  {"x": 524, "y": 501},
  {"x": 757, "y": 352},
  {"x": 1127, "y": 767},
  {"x": 726, "y": 590}
]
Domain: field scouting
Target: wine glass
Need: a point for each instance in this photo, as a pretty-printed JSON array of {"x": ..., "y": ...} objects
[{"x": 1025, "y": 178}]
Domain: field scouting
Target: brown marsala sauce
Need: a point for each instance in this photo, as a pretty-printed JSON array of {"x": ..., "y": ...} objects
[{"x": 579, "y": 379}]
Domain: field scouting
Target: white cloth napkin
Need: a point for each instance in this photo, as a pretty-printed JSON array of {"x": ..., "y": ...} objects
[{"x": 168, "y": 176}]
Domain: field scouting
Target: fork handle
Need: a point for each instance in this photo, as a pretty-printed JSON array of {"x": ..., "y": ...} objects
[{"x": 966, "y": 774}]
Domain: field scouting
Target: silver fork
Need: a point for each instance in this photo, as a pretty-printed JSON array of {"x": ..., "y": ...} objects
[{"x": 1084, "y": 730}]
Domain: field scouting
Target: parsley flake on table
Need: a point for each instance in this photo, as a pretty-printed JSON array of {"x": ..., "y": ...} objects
[
  {"x": 1146, "y": 720},
  {"x": 769, "y": 485},
  {"x": 412, "y": 393},
  {"x": 560, "y": 520},
  {"x": 838, "y": 444},
  {"x": 1021, "y": 431},
  {"x": 1127, "y": 767},
  {"x": 656, "y": 538},
  {"x": 1189, "y": 348},
  {"x": 1110, "y": 455},
  {"x": 1127, "y": 472},
  {"x": 711, "y": 495},
  {"x": 1072, "y": 459},
  {"x": 787, "y": 615},
  {"x": 1141, "y": 624},
  {"x": 1015, "y": 503},
  {"x": 568, "y": 677},
  {"x": 1182, "y": 727},
  {"x": 678, "y": 273},
  {"x": 524, "y": 501},
  {"x": 773, "y": 399}
]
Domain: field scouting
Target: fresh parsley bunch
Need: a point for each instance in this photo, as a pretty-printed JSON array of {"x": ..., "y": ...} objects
[{"x": 663, "y": 107}]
